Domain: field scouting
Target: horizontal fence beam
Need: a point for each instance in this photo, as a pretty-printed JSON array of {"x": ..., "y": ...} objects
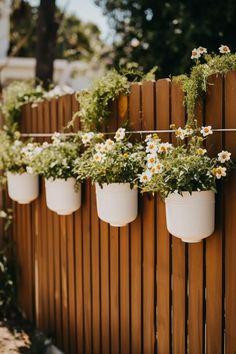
[{"x": 46, "y": 135}]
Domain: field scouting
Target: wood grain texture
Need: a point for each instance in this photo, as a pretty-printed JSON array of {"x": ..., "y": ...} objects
[
  {"x": 163, "y": 311},
  {"x": 214, "y": 340},
  {"x": 230, "y": 220},
  {"x": 179, "y": 338}
]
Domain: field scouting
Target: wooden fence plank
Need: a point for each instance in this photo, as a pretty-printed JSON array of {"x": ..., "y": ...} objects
[
  {"x": 230, "y": 220},
  {"x": 214, "y": 340},
  {"x": 105, "y": 286},
  {"x": 50, "y": 236},
  {"x": 78, "y": 222},
  {"x": 148, "y": 235},
  {"x": 96, "y": 286},
  {"x": 163, "y": 238},
  {"x": 136, "y": 240},
  {"x": 114, "y": 290},
  {"x": 196, "y": 286},
  {"x": 178, "y": 250},
  {"x": 56, "y": 243},
  {"x": 87, "y": 268}
]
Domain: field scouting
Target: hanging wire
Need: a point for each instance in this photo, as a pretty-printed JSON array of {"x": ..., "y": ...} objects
[{"x": 46, "y": 135}]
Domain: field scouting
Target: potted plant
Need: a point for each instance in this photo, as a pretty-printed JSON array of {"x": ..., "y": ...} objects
[
  {"x": 113, "y": 165},
  {"x": 16, "y": 159},
  {"x": 186, "y": 177},
  {"x": 56, "y": 163}
]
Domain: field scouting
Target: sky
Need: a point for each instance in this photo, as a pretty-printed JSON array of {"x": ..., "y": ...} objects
[{"x": 85, "y": 10}]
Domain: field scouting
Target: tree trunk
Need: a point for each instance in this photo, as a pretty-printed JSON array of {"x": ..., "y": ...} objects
[{"x": 46, "y": 41}]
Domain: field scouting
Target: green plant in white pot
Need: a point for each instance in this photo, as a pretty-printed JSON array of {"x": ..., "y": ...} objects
[
  {"x": 56, "y": 164},
  {"x": 186, "y": 178},
  {"x": 113, "y": 165},
  {"x": 16, "y": 158}
]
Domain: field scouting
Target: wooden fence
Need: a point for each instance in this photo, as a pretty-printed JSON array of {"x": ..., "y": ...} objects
[{"x": 99, "y": 289}]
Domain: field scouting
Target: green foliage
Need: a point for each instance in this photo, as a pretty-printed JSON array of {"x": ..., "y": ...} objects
[
  {"x": 95, "y": 104},
  {"x": 195, "y": 85},
  {"x": 185, "y": 167},
  {"x": 57, "y": 159},
  {"x": 7, "y": 270},
  {"x": 164, "y": 32},
  {"x": 16, "y": 155},
  {"x": 110, "y": 161},
  {"x": 14, "y": 96}
]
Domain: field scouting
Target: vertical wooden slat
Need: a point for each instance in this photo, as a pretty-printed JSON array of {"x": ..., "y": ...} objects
[
  {"x": 87, "y": 268},
  {"x": 50, "y": 239},
  {"x": 163, "y": 238},
  {"x": 124, "y": 256},
  {"x": 230, "y": 220},
  {"x": 64, "y": 285},
  {"x": 136, "y": 240},
  {"x": 70, "y": 240},
  {"x": 105, "y": 285},
  {"x": 79, "y": 280},
  {"x": 148, "y": 233},
  {"x": 114, "y": 289},
  {"x": 56, "y": 243},
  {"x": 35, "y": 230},
  {"x": 178, "y": 250},
  {"x": 42, "y": 286},
  {"x": 214, "y": 110},
  {"x": 196, "y": 287},
  {"x": 95, "y": 256},
  {"x": 29, "y": 221}
]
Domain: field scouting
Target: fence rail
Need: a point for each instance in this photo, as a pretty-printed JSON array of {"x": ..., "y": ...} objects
[{"x": 99, "y": 289}]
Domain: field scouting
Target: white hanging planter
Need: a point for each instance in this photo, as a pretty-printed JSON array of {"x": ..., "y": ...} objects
[
  {"x": 117, "y": 203},
  {"x": 22, "y": 188},
  {"x": 61, "y": 195},
  {"x": 191, "y": 217}
]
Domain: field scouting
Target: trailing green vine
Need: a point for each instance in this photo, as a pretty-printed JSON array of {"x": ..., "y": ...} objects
[
  {"x": 95, "y": 103},
  {"x": 19, "y": 93},
  {"x": 195, "y": 84}
]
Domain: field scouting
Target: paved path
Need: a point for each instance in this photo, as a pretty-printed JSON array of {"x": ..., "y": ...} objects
[{"x": 12, "y": 343}]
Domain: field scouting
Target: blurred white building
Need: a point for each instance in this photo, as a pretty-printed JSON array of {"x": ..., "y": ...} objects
[
  {"x": 5, "y": 8},
  {"x": 76, "y": 74}
]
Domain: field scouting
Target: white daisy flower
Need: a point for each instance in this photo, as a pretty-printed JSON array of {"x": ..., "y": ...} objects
[
  {"x": 109, "y": 144},
  {"x": 202, "y": 50},
  {"x": 100, "y": 147},
  {"x": 157, "y": 168},
  {"x": 195, "y": 54},
  {"x": 206, "y": 130},
  {"x": 180, "y": 133},
  {"x": 87, "y": 137},
  {"x": 224, "y": 49},
  {"x": 224, "y": 156},
  {"x": 151, "y": 159},
  {"x": 145, "y": 176},
  {"x": 219, "y": 172},
  {"x": 98, "y": 157},
  {"x": 164, "y": 147},
  {"x": 151, "y": 147},
  {"x": 120, "y": 134},
  {"x": 148, "y": 138}
]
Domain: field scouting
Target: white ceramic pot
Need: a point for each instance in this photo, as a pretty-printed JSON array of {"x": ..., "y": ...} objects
[
  {"x": 61, "y": 195},
  {"x": 23, "y": 188},
  {"x": 117, "y": 203},
  {"x": 191, "y": 217}
]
